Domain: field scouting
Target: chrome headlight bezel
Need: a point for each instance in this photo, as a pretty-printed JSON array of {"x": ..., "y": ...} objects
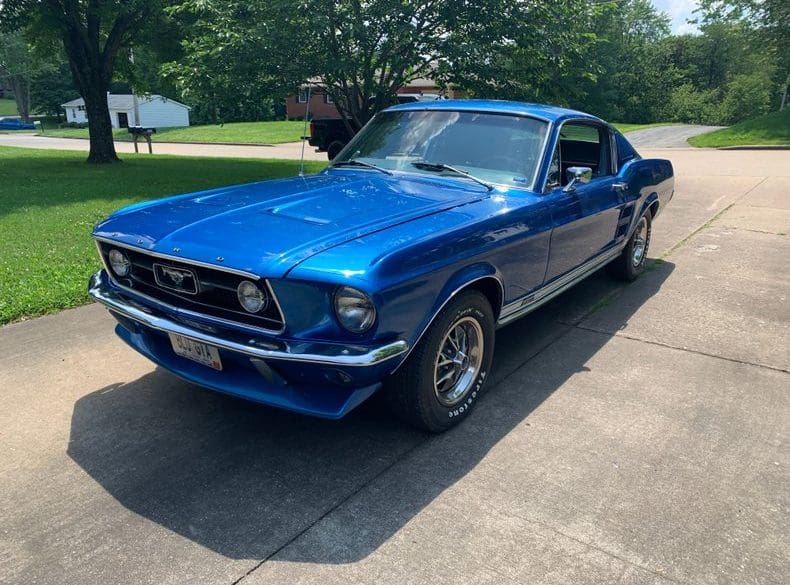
[
  {"x": 119, "y": 262},
  {"x": 251, "y": 297},
  {"x": 354, "y": 309}
]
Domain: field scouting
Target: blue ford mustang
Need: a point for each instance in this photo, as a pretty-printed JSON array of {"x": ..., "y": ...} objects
[{"x": 392, "y": 268}]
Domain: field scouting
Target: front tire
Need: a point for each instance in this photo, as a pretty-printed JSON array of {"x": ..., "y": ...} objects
[
  {"x": 440, "y": 382},
  {"x": 631, "y": 262}
]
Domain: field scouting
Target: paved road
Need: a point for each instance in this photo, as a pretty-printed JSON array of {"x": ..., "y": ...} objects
[
  {"x": 290, "y": 150},
  {"x": 667, "y": 136},
  {"x": 632, "y": 434},
  {"x": 660, "y": 137}
]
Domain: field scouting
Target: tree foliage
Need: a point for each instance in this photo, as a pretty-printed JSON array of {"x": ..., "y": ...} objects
[
  {"x": 235, "y": 60},
  {"x": 19, "y": 66},
  {"x": 51, "y": 87},
  {"x": 534, "y": 51},
  {"x": 363, "y": 52},
  {"x": 238, "y": 58},
  {"x": 769, "y": 24}
]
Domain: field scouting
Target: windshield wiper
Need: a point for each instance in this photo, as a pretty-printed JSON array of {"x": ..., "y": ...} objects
[
  {"x": 431, "y": 166},
  {"x": 359, "y": 163}
]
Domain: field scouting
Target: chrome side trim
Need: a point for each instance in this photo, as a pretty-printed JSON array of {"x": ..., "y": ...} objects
[
  {"x": 324, "y": 353},
  {"x": 532, "y": 301},
  {"x": 211, "y": 318},
  {"x": 448, "y": 299}
]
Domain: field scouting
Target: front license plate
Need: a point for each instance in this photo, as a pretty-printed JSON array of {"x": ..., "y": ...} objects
[{"x": 196, "y": 351}]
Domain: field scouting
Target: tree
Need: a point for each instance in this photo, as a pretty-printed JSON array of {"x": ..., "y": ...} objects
[
  {"x": 364, "y": 52},
  {"x": 769, "y": 18},
  {"x": 634, "y": 77},
  {"x": 238, "y": 57},
  {"x": 535, "y": 51},
  {"x": 51, "y": 87},
  {"x": 18, "y": 66},
  {"x": 92, "y": 33}
]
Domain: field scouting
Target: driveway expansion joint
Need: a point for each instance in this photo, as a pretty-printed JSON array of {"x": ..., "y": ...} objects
[
  {"x": 684, "y": 349},
  {"x": 403, "y": 456},
  {"x": 752, "y": 230},
  {"x": 710, "y": 221}
]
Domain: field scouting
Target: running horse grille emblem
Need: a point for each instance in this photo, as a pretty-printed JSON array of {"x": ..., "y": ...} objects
[{"x": 176, "y": 279}]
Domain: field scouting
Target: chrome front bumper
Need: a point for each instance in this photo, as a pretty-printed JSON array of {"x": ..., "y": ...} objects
[{"x": 263, "y": 348}]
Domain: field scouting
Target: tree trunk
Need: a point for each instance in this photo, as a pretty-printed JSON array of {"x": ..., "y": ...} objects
[
  {"x": 102, "y": 148},
  {"x": 21, "y": 97},
  {"x": 92, "y": 80}
]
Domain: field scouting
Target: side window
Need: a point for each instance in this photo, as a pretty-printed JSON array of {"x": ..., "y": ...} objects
[
  {"x": 625, "y": 151},
  {"x": 584, "y": 145}
]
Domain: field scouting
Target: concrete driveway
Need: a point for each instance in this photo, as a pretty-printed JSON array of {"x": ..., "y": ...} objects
[
  {"x": 289, "y": 150},
  {"x": 632, "y": 434},
  {"x": 675, "y": 136}
]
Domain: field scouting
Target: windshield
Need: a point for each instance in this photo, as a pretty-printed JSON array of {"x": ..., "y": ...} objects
[{"x": 494, "y": 148}]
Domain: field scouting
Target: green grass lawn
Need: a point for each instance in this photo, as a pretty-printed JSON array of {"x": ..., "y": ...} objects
[
  {"x": 7, "y": 107},
  {"x": 50, "y": 201},
  {"x": 631, "y": 127},
  {"x": 275, "y": 132},
  {"x": 773, "y": 128}
]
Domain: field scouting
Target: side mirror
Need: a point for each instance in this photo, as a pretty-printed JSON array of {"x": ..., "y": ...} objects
[{"x": 577, "y": 176}]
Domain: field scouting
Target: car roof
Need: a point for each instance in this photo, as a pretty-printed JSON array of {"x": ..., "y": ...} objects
[{"x": 542, "y": 111}]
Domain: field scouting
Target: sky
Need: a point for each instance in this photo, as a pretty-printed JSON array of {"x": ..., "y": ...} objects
[{"x": 679, "y": 11}]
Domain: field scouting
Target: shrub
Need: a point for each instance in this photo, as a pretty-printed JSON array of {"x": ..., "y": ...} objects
[
  {"x": 746, "y": 96},
  {"x": 694, "y": 106}
]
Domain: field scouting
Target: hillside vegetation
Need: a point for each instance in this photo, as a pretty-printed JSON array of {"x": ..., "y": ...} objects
[{"x": 769, "y": 129}]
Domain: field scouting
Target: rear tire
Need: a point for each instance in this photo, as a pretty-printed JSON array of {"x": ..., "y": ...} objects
[
  {"x": 631, "y": 262},
  {"x": 440, "y": 382},
  {"x": 334, "y": 149}
]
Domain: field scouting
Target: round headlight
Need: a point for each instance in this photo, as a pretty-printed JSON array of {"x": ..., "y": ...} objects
[
  {"x": 119, "y": 262},
  {"x": 354, "y": 309},
  {"x": 251, "y": 297}
]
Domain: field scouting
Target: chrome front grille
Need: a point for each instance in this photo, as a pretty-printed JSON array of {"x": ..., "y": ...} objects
[{"x": 198, "y": 288}]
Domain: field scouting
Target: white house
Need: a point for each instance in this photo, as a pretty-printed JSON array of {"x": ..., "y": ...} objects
[{"x": 155, "y": 111}]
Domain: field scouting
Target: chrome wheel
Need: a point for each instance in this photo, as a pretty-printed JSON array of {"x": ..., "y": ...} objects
[
  {"x": 458, "y": 361},
  {"x": 640, "y": 242}
]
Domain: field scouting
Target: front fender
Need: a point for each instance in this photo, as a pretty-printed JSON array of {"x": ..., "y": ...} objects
[
  {"x": 462, "y": 279},
  {"x": 475, "y": 274}
]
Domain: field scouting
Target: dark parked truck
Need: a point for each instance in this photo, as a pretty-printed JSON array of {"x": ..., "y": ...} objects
[{"x": 330, "y": 135}]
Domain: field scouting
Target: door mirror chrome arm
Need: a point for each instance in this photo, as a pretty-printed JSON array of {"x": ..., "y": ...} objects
[
  {"x": 577, "y": 176},
  {"x": 620, "y": 187}
]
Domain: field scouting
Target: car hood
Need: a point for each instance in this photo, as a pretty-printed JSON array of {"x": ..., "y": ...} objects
[{"x": 268, "y": 227}]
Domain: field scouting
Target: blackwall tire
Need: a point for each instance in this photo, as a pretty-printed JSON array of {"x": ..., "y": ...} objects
[{"x": 334, "y": 149}]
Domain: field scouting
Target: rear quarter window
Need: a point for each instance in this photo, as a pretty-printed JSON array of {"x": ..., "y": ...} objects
[{"x": 625, "y": 151}]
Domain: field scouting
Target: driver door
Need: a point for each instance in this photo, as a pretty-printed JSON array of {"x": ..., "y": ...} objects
[{"x": 584, "y": 218}]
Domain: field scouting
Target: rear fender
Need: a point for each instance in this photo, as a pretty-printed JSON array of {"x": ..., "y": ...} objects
[{"x": 650, "y": 181}]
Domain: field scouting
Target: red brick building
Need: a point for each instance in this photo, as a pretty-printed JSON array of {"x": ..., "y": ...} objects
[{"x": 321, "y": 105}]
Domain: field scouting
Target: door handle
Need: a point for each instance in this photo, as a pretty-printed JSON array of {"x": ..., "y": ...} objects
[{"x": 620, "y": 187}]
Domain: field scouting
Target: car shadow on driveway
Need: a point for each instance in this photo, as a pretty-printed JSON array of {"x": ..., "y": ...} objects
[{"x": 245, "y": 480}]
